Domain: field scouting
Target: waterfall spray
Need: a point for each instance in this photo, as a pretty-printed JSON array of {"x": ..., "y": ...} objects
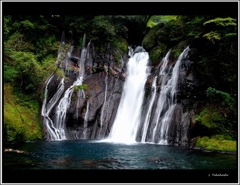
[
  {"x": 148, "y": 116},
  {"x": 167, "y": 101},
  {"x": 127, "y": 120}
]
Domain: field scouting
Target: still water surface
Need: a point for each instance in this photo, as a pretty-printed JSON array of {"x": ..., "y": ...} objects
[{"x": 88, "y": 154}]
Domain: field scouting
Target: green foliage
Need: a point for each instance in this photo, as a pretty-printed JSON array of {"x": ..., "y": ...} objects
[
  {"x": 214, "y": 43},
  {"x": 158, "y": 19},
  {"x": 220, "y": 96},
  {"x": 149, "y": 41},
  {"x": 213, "y": 36},
  {"x": 222, "y": 137},
  {"x": 229, "y": 21},
  {"x": 215, "y": 144},
  {"x": 29, "y": 57},
  {"x": 17, "y": 42},
  {"x": 9, "y": 73},
  {"x": 178, "y": 49},
  {"x": 104, "y": 25},
  {"x": 210, "y": 118},
  {"x": 21, "y": 120},
  {"x": 117, "y": 48},
  {"x": 216, "y": 120},
  {"x": 46, "y": 46},
  {"x": 27, "y": 24},
  {"x": 94, "y": 70},
  {"x": 194, "y": 27},
  {"x": 157, "y": 54},
  {"x": 6, "y": 28},
  {"x": 31, "y": 44},
  {"x": 27, "y": 70},
  {"x": 230, "y": 35},
  {"x": 81, "y": 87},
  {"x": 223, "y": 28}
]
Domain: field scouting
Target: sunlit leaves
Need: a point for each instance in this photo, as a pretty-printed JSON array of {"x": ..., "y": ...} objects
[
  {"x": 104, "y": 24},
  {"x": 27, "y": 72},
  {"x": 221, "y": 28},
  {"x": 17, "y": 42},
  {"x": 157, "y": 19},
  {"x": 222, "y": 22},
  {"x": 27, "y": 24},
  {"x": 212, "y": 36},
  {"x": 221, "y": 96}
]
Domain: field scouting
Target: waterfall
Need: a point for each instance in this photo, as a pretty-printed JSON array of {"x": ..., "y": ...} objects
[
  {"x": 165, "y": 125},
  {"x": 147, "y": 119},
  {"x": 167, "y": 100},
  {"x": 103, "y": 107},
  {"x": 105, "y": 98},
  {"x": 61, "y": 48},
  {"x": 84, "y": 40},
  {"x": 61, "y": 113},
  {"x": 163, "y": 96},
  {"x": 129, "y": 126},
  {"x": 67, "y": 60},
  {"x": 46, "y": 120},
  {"x": 47, "y": 107},
  {"x": 85, "y": 121},
  {"x": 64, "y": 103},
  {"x": 56, "y": 128},
  {"x": 127, "y": 120}
]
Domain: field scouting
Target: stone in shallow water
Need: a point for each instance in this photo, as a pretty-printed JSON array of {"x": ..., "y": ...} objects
[{"x": 12, "y": 150}]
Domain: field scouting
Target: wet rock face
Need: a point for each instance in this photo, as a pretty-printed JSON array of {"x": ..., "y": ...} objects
[
  {"x": 187, "y": 80},
  {"x": 102, "y": 110},
  {"x": 53, "y": 86},
  {"x": 179, "y": 123},
  {"x": 92, "y": 116}
]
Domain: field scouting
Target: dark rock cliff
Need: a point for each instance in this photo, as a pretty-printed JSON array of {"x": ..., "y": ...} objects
[
  {"x": 92, "y": 116},
  {"x": 101, "y": 113}
]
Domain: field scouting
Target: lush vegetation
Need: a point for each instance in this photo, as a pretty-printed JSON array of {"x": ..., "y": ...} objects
[
  {"x": 216, "y": 143},
  {"x": 213, "y": 41},
  {"x": 31, "y": 44},
  {"x": 21, "y": 117}
]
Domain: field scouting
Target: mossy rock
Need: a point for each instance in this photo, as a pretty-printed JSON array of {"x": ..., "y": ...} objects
[
  {"x": 213, "y": 144},
  {"x": 157, "y": 53},
  {"x": 21, "y": 119},
  {"x": 210, "y": 118},
  {"x": 150, "y": 40},
  {"x": 178, "y": 49}
]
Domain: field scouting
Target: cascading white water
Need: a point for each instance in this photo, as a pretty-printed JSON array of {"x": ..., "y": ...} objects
[
  {"x": 162, "y": 99},
  {"x": 130, "y": 51},
  {"x": 47, "y": 107},
  {"x": 60, "y": 56},
  {"x": 64, "y": 103},
  {"x": 85, "y": 121},
  {"x": 127, "y": 120},
  {"x": 103, "y": 107},
  {"x": 148, "y": 116},
  {"x": 105, "y": 98},
  {"x": 165, "y": 125},
  {"x": 51, "y": 131},
  {"x": 56, "y": 128},
  {"x": 67, "y": 60},
  {"x": 167, "y": 101}
]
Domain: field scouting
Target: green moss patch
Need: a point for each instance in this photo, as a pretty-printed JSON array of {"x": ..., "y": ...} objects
[
  {"x": 21, "y": 121},
  {"x": 157, "y": 54},
  {"x": 210, "y": 118},
  {"x": 214, "y": 144}
]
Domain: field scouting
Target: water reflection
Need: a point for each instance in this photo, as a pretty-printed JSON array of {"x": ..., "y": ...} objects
[{"x": 85, "y": 154}]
